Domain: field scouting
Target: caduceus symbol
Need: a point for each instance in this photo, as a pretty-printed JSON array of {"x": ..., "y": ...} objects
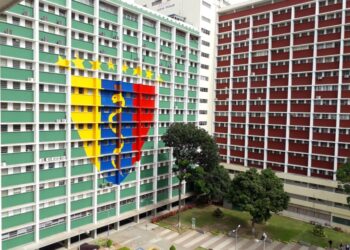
[{"x": 119, "y": 100}]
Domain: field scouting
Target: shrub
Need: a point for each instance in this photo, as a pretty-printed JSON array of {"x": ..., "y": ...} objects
[
  {"x": 338, "y": 229},
  {"x": 124, "y": 248},
  {"x": 218, "y": 213},
  {"x": 109, "y": 243},
  {"x": 169, "y": 214},
  {"x": 319, "y": 231},
  {"x": 172, "y": 247}
]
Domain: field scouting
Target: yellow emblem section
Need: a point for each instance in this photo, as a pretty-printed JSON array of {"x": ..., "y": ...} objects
[{"x": 85, "y": 100}]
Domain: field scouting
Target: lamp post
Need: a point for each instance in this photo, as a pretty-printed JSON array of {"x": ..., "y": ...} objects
[{"x": 236, "y": 235}]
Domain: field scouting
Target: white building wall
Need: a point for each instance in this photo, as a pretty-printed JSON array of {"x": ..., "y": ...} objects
[{"x": 201, "y": 14}]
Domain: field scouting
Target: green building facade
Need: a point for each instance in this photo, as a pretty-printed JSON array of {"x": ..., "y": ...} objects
[{"x": 50, "y": 189}]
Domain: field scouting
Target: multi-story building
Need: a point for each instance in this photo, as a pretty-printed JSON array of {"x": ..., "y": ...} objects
[
  {"x": 201, "y": 14},
  {"x": 282, "y": 98},
  {"x": 88, "y": 88}
]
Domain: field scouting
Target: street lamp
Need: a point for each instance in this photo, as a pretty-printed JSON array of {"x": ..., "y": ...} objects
[
  {"x": 236, "y": 235},
  {"x": 263, "y": 238}
]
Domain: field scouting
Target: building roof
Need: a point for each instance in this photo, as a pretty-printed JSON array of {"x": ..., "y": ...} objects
[{"x": 246, "y": 5}]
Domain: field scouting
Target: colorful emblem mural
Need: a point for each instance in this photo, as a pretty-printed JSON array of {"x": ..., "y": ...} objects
[{"x": 119, "y": 115}]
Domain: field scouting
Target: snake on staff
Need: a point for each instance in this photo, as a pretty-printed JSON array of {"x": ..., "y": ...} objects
[{"x": 117, "y": 98}]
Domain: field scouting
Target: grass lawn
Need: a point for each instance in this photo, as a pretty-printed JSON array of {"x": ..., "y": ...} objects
[{"x": 277, "y": 228}]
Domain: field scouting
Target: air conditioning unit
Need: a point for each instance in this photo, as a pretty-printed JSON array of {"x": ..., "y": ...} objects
[
  {"x": 30, "y": 79},
  {"x": 318, "y": 97},
  {"x": 253, "y": 73},
  {"x": 47, "y": 159},
  {"x": 320, "y": 77},
  {"x": 346, "y": 76},
  {"x": 102, "y": 185},
  {"x": 64, "y": 120},
  {"x": 102, "y": 33},
  {"x": 59, "y": 42},
  {"x": 59, "y": 22},
  {"x": 183, "y": 55},
  {"x": 25, "y": 13},
  {"x": 109, "y": 184}
]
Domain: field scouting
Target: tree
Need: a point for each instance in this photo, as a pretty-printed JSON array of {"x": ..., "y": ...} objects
[
  {"x": 192, "y": 147},
  {"x": 260, "y": 194},
  {"x": 211, "y": 185},
  {"x": 343, "y": 176}
]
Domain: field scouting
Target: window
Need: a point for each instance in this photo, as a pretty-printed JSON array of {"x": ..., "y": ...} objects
[
  {"x": 205, "y": 19},
  {"x": 206, "y": 55},
  {"x": 205, "y": 31},
  {"x": 156, "y": 2},
  {"x": 206, "y": 4},
  {"x": 205, "y": 43}
]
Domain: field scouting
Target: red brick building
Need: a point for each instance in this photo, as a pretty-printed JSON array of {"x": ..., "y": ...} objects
[{"x": 283, "y": 97}]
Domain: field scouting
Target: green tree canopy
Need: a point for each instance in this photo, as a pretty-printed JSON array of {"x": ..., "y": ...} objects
[
  {"x": 260, "y": 194},
  {"x": 343, "y": 176},
  {"x": 196, "y": 159},
  {"x": 211, "y": 185}
]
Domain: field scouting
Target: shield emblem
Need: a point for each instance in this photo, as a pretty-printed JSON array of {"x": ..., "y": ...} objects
[{"x": 121, "y": 113}]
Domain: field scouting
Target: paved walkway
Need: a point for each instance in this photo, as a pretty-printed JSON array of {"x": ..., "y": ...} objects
[{"x": 147, "y": 235}]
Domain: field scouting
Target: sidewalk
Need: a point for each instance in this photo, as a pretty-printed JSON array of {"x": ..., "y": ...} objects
[{"x": 147, "y": 236}]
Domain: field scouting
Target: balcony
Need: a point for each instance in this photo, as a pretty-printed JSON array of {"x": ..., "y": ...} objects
[
  {"x": 331, "y": 7},
  {"x": 279, "y": 81},
  {"x": 329, "y": 37},
  {"x": 81, "y": 7},
  {"x": 84, "y": 45},
  {"x": 281, "y": 17},
  {"x": 278, "y": 145},
  {"x": 130, "y": 23},
  {"x": 304, "y": 26},
  {"x": 298, "y": 160},
  {"x": 300, "y": 121},
  {"x": 303, "y": 54},
  {"x": 82, "y": 26},
  {"x": 16, "y": 74},
  {"x": 229, "y": 28},
  {"x": 149, "y": 44},
  {"x": 22, "y": 10},
  {"x": 12, "y": 29},
  {"x": 304, "y": 39},
  {"x": 305, "y": 12},
  {"x": 299, "y": 134},
  {"x": 194, "y": 44},
  {"x": 16, "y": 52},
  {"x": 331, "y": 22},
  {"x": 298, "y": 147},
  {"x": 112, "y": 17},
  {"x": 130, "y": 39},
  {"x": 165, "y": 49},
  {"x": 17, "y": 95},
  {"x": 281, "y": 30},
  {"x": 305, "y": 108},
  {"x": 149, "y": 29},
  {"x": 165, "y": 35},
  {"x": 181, "y": 40}
]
